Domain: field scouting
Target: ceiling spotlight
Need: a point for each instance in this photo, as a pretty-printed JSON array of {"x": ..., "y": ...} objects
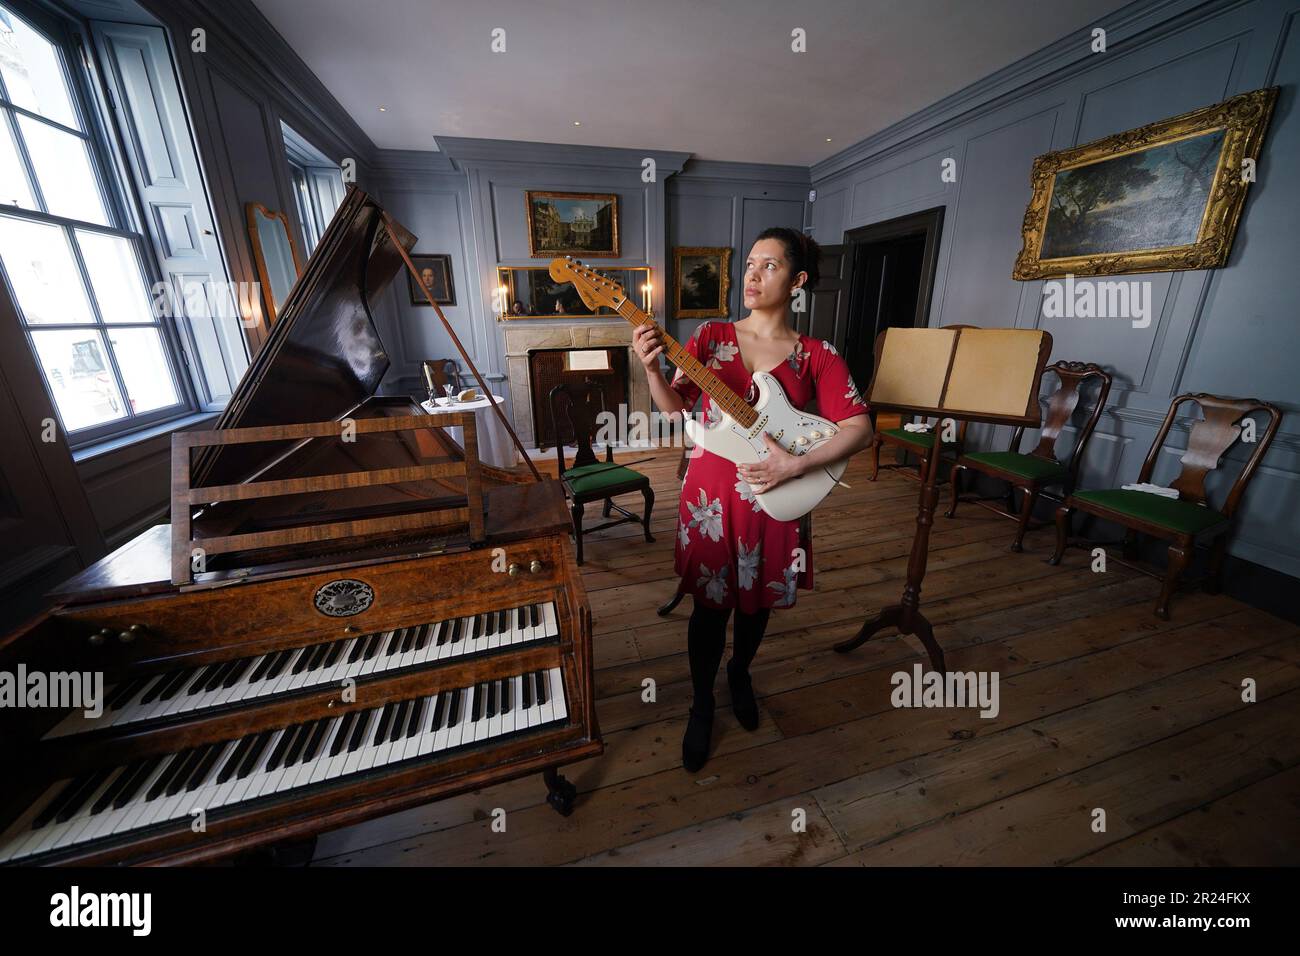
[
  {"x": 577, "y": 122},
  {"x": 828, "y": 139},
  {"x": 383, "y": 109}
]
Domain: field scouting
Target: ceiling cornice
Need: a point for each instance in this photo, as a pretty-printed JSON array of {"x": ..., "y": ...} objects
[{"x": 467, "y": 151}]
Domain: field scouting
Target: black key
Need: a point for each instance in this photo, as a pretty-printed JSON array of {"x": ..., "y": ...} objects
[
  {"x": 359, "y": 730},
  {"x": 456, "y": 634},
  {"x": 417, "y": 713},
  {"x": 503, "y": 625},
  {"x": 541, "y": 678},
  {"x": 252, "y": 758},
  {"x": 317, "y": 657},
  {"x": 399, "y": 721},
  {"x": 300, "y": 743},
  {"x": 279, "y": 750},
  {"x": 336, "y": 649},
  {"x": 444, "y": 632},
  {"x": 507, "y": 685},
  {"x": 355, "y": 654},
  {"x": 128, "y": 792},
  {"x": 340, "y": 738},
  {"x": 175, "y": 684},
  {"x": 422, "y": 635},
  {"x": 475, "y": 624},
  {"x": 262, "y": 667},
  {"x": 317, "y": 738},
  {"x": 109, "y": 795},
  {"x": 78, "y": 799},
  {"x": 201, "y": 678},
  {"x": 177, "y": 782},
  {"x": 280, "y": 663},
  {"x": 394, "y": 643},
  {"x": 453, "y": 715},
  {"x": 439, "y": 710},
  {"x": 519, "y": 618},
  {"x": 205, "y": 766},
  {"x": 304, "y": 659},
  {"x": 526, "y": 680},
  {"x": 476, "y": 706},
  {"x": 125, "y": 691},
  {"x": 490, "y": 623},
  {"x": 54, "y": 806},
  {"x": 408, "y": 639},
  {"x": 218, "y": 675},
  {"x": 385, "y": 720},
  {"x": 372, "y": 646},
  {"x": 232, "y": 762},
  {"x": 491, "y": 699},
  {"x": 237, "y": 672},
  {"x": 536, "y": 614},
  {"x": 165, "y": 777}
]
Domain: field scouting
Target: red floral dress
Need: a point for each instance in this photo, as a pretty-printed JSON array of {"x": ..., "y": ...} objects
[{"x": 729, "y": 553}]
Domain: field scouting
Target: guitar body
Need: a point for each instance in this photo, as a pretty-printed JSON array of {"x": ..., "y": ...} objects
[{"x": 798, "y": 432}]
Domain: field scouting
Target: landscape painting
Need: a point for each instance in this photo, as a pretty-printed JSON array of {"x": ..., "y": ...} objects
[{"x": 1164, "y": 197}]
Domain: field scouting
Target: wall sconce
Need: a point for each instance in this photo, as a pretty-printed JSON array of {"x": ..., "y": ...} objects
[{"x": 503, "y": 296}]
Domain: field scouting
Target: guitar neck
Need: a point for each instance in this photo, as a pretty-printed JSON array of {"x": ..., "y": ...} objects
[{"x": 694, "y": 369}]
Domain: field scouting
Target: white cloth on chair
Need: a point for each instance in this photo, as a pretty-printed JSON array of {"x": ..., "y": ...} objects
[
  {"x": 1148, "y": 488},
  {"x": 917, "y": 427}
]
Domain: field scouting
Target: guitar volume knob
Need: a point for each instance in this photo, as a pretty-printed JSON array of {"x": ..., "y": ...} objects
[
  {"x": 801, "y": 440},
  {"x": 814, "y": 435}
]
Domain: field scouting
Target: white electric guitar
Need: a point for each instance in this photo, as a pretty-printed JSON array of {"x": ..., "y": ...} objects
[{"x": 739, "y": 435}]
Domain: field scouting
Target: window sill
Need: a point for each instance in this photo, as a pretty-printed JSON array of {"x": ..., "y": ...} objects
[{"x": 118, "y": 442}]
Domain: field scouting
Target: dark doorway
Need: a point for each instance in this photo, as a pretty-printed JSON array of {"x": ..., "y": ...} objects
[{"x": 892, "y": 266}]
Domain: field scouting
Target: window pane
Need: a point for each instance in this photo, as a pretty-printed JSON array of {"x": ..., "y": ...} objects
[
  {"x": 13, "y": 180},
  {"x": 81, "y": 380},
  {"x": 42, "y": 272},
  {"x": 63, "y": 169},
  {"x": 144, "y": 368},
  {"x": 32, "y": 71},
  {"x": 115, "y": 279}
]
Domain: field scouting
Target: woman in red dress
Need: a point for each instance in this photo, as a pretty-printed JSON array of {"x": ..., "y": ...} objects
[{"x": 729, "y": 553}]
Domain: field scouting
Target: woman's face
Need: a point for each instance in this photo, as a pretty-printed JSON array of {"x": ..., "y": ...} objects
[{"x": 768, "y": 283}]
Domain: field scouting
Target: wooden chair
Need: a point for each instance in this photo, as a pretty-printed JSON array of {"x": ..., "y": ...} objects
[
  {"x": 916, "y": 443},
  {"x": 589, "y": 479},
  {"x": 443, "y": 372},
  {"x": 1188, "y": 518},
  {"x": 1040, "y": 468}
]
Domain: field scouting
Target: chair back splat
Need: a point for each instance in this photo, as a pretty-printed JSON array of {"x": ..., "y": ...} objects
[{"x": 1210, "y": 440}]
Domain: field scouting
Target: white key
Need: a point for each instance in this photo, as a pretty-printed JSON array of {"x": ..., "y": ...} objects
[
  {"x": 20, "y": 831},
  {"x": 494, "y": 722},
  {"x": 557, "y": 693},
  {"x": 508, "y": 717},
  {"x": 66, "y": 833},
  {"x": 548, "y": 615},
  {"x": 137, "y": 807}
]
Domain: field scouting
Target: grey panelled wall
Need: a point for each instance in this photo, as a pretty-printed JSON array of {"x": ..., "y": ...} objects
[{"x": 1228, "y": 331}]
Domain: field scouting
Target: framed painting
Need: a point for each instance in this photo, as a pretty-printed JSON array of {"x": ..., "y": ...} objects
[
  {"x": 1164, "y": 197},
  {"x": 572, "y": 224},
  {"x": 702, "y": 279},
  {"x": 435, "y": 271}
]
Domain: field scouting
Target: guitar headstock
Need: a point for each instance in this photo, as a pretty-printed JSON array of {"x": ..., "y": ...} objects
[{"x": 593, "y": 288}]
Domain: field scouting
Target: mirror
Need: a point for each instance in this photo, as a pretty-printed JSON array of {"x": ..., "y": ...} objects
[
  {"x": 529, "y": 292},
  {"x": 275, "y": 255}
]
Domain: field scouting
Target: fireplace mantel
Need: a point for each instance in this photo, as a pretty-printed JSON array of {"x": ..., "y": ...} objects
[{"x": 523, "y": 337}]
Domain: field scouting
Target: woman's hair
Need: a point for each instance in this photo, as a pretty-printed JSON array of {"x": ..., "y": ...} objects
[{"x": 802, "y": 251}]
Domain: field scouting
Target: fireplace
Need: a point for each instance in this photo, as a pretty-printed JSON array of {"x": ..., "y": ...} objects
[
  {"x": 606, "y": 369},
  {"x": 528, "y": 407}
]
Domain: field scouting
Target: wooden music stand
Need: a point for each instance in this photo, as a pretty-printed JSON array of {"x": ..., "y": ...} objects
[{"x": 966, "y": 374}]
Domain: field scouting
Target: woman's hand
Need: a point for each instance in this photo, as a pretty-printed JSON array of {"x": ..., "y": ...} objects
[
  {"x": 648, "y": 345},
  {"x": 779, "y": 466}
]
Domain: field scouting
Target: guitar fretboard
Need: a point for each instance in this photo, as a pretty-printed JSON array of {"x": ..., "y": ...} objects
[{"x": 695, "y": 370}]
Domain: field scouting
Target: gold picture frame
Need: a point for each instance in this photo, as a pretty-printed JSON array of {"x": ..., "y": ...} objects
[
  {"x": 690, "y": 290},
  {"x": 1056, "y": 240},
  {"x": 550, "y": 234},
  {"x": 275, "y": 256}
]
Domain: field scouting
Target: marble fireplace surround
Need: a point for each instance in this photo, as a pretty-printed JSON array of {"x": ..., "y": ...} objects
[{"x": 525, "y": 335}]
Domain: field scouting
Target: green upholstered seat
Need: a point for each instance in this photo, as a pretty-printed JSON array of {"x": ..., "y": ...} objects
[
  {"x": 920, "y": 439},
  {"x": 1013, "y": 463},
  {"x": 582, "y": 481},
  {"x": 1185, "y": 517}
]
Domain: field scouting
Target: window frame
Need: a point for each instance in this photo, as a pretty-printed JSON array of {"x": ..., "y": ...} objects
[{"x": 68, "y": 36}]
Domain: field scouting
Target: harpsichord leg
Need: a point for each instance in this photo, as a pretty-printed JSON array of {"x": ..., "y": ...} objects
[{"x": 559, "y": 792}]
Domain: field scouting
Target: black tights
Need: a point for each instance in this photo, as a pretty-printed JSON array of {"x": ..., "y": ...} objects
[{"x": 706, "y": 638}]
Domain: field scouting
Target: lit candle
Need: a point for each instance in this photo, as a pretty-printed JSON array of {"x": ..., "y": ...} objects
[{"x": 505, "y": 306}]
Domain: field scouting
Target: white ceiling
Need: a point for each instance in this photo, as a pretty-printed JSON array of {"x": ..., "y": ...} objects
[{"x": 715, "y": 78}]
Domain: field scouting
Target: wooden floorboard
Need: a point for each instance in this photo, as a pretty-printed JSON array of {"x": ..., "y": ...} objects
[{"x": 1101, "y": 707}]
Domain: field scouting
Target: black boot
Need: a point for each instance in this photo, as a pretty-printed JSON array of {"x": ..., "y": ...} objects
[
  {"x": 695, "y": 742},
  {"x": 743, "y": 704}
]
